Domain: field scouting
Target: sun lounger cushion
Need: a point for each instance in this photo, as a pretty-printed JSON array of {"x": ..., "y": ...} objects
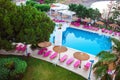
[
  {"x": 40, "y": 52},
  {"x": 77, "y": 63},
  {"x": 53, "y": 55},
  {"x": 47, "y": 53},
  {"x": 70, "y": 61},
  {"x": 87, "y": 65},
  {"x": 62, "y": 59},
  {"x": 18, "y": 47},
  {"x": 23, "y": 48}
]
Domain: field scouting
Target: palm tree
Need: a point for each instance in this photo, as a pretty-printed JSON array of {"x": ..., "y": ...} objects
[
  {"x": 116, "y": 45},
  {"x": 102, "y": 66},
  {"x": 117, "y": 76},
  {"x": 105, "y": 59}
]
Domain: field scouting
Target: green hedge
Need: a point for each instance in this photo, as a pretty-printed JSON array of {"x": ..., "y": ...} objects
[
  {"x": 12, "y": 68},
  {"x": 40, "y": 7}
]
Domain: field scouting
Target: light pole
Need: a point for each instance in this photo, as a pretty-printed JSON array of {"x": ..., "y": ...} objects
[{"x": 92, "y": 61}]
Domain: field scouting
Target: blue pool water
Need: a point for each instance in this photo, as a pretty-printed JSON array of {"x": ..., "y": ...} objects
[{"x": 84, "y": 41}]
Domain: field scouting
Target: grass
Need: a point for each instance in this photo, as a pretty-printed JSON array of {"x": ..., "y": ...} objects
[{"x": 42, "y": 70}]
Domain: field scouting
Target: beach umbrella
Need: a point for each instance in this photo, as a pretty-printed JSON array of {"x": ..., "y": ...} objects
[
  {"x": 81, "y": 56},
  {"x": 59, "y": 49},
  {"x": 44, "y": 44}
]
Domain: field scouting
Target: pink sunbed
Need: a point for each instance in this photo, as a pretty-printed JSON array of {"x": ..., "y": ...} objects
[
  {"x": 119, "y": 34},
  {"x": 115, "y": 33},
  {"x": 70, "y": 61},
  {"x": 87, "y": 65},
  {"x": 24, "y": 48},
  {"x": 47, "y": 54},
  {"x": 77, "y": 63},
  {"x": 103, "y": 29},
  {"x": 110, "y": 31},
  {"x": 53, "y": 55},
  {"x": 18, "y": 47},
  {"x": 40, "y": 52},
  {"x": 62, "y": 59}
]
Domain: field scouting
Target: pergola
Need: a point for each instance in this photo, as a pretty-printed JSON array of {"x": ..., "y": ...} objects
[
  {"x": 66, "y": 13},
  {"x": 58, "y": 6}
]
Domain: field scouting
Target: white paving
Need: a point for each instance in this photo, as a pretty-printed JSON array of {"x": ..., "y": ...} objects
[{"x": 81, "y": 71}]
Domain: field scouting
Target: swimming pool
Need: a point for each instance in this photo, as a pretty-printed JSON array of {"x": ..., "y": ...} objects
[{"x": 84, "y": 41}]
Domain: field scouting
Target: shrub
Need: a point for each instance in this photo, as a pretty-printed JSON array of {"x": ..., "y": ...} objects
[
  {"x": 12, "y": 68},
  {"x": 4, "y": 73},
  {"x": 42, "y": 7},
  {"x": 32, "y": 3}
]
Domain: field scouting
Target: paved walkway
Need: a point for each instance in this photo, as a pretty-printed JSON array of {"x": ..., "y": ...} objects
[
  {"x": 81, "y": 71},
  {"x": 86, "y": 3}
]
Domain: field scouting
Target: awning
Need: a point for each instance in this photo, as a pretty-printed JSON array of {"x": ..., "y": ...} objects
[{"x": 67, "y": 12}]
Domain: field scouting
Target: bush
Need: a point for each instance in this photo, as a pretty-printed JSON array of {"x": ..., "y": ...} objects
[
  {"x": 4, "y": 73},
  {"x": 12, "y": 68},
  {"x": 31, "y": 3},
  {"x": 49, "y": 1},
  {"x": 42, "y": 7}
]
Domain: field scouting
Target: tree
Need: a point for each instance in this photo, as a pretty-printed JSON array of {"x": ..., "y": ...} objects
[
  {"x": 117, "y": 77},
  {"x": 23, "y": 24},
  {"x": 44, "y": 1},
  {"x": 108, "y": 13},
  {"x": 73, "y": 7},
  {"x": 115, "y": 18},
  {"x": 81, "y": 11},
  {"x": 102, "y": 66},
  {"x": 116, "y": 45}
]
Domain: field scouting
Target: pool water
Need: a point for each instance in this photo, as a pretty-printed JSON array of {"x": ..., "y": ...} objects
[{"x": 85, "y": 41}]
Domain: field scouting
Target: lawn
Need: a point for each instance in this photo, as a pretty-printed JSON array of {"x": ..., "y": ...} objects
[{"x": 42, "y": 70}]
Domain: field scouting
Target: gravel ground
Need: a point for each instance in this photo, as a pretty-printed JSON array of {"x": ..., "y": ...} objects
[{"x": 86, "y": 3}]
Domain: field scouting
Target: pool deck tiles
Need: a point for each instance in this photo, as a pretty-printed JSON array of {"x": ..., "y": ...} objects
[{"x": 80, "y": 71}]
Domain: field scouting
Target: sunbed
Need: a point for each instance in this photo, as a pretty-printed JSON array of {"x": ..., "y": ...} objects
[
  {"x": 77, "y": 63},
  {"x": 47, "y": 54},
  {"x": 53, "y": 55},
  {"x": 69, "y": 61},
  {"x": 62, "y": 59},
  {"x": 87, "y": 65},
  {"x": 41, "y": 51}
]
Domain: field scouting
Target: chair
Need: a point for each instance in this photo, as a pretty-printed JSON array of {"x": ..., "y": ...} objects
[
  {"x": 70, "y": 61},
  {"x": 77, "y": 63},
  {"x": 47, "y": 54},
  {"x": 87, "y": 65},
  {"x": 40, "y": 52},
  {"x": 53, "y": 55},
  {"x": 62, "y": 59}
]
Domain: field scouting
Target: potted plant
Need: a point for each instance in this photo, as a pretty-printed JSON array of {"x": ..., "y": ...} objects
[{"x": 60, "y": 26}]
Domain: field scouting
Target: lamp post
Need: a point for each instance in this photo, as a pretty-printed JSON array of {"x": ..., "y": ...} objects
[{"x": 92, "y": 61}]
